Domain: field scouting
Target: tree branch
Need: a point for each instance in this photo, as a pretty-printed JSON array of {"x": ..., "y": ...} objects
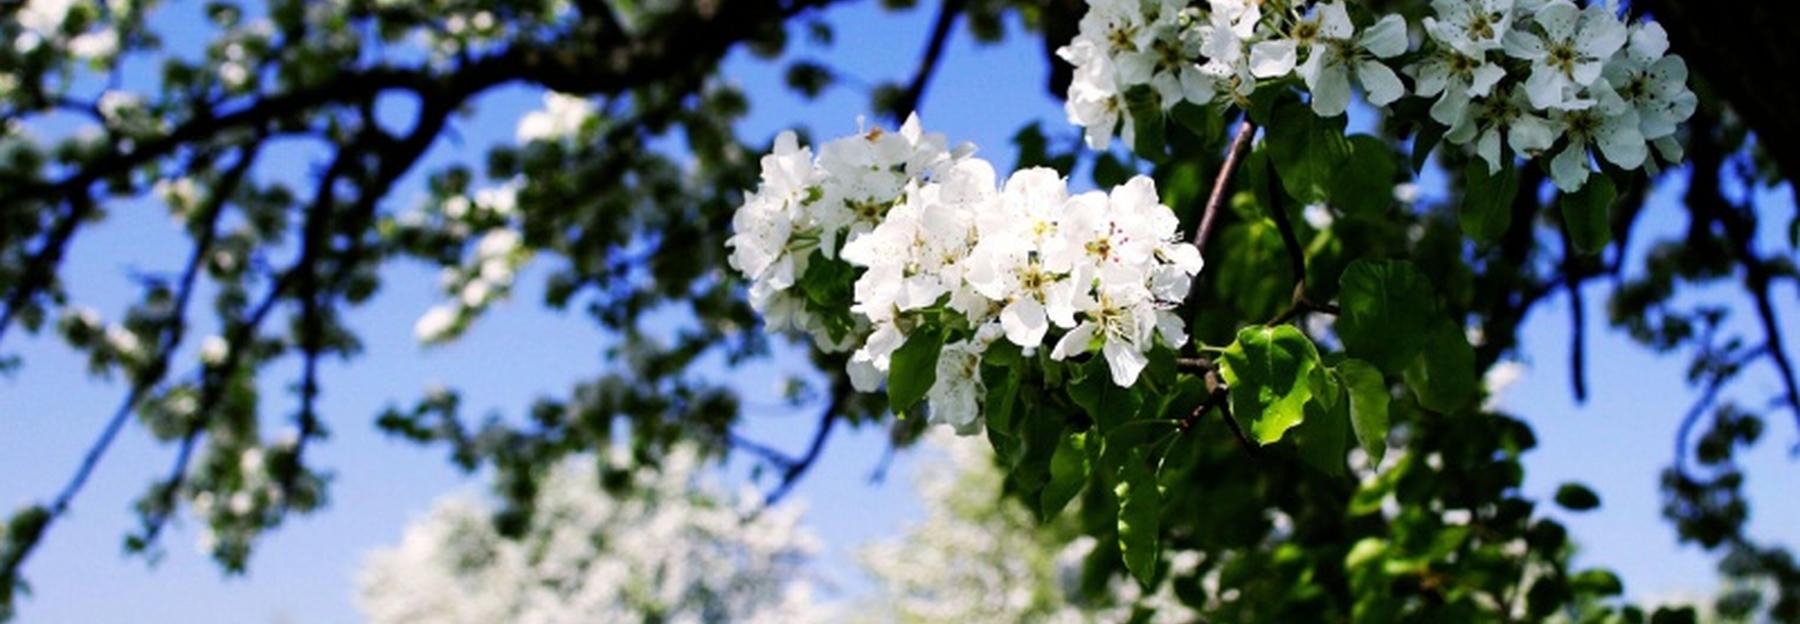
[
  {"x": 1240, "y": 145},
  {"x": 934, "y": 50},
  {"x": 795, "y": 468},
  {"x": 1577, "y": 317}
]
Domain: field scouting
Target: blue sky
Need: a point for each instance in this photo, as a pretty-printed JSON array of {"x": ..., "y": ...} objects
[{"x": 50, "y": 410}]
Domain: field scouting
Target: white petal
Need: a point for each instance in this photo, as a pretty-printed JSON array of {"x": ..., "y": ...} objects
[
  {"x": 1485, "y": 78},
  {"x": 1621, "y": 142},
  {"x": 1531, "y": 135},
  {"x": 1545, "y": 87},
  {"x": 1025, "y": 322},
  {"x": 1125, "y": 361},
  {"x": 1488, "y": 148},
  {"x": 1570, "y": 168},
  {"x": 1076, "y": 342},
  {"x": 1331, "y": 91},
  {"x": 1379, "y": 83},
  {"x": 1386, "y": 38},
  {"x": 1269, "y": 59},
  {"x": 1558, "y": 18},
  {"x": 1334, "y": 22},
  {"x": 1449, "y": 108}
]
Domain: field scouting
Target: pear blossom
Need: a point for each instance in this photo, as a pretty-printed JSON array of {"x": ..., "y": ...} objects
[
  {"x": 955, "y": 397},
  {"x": 1225, "y": 42},
  {"x": 1121, "y": 322},
  {"x": 1568, "y": 53},
  {"x": 1335, "y": 51},
  {"x": 1454, "y": 75},
  {"x": 1611, "y": 126},
  {"x": 1653, "y": 83},
  {"x": 1470, "y": 27},
  {"x": 1506, "y": 113}
]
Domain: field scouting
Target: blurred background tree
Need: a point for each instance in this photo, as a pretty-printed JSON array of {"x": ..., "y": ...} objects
[{"x": 627, "y": 179}]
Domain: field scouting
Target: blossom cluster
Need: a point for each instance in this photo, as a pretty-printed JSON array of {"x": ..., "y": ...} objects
[
  {"x": 934, "y": 238},
  {"x": 674, "y": 547},
  {"x": 1543, "y": 77}
]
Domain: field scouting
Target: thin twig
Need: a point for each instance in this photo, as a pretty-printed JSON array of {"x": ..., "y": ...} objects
[
  {"x": 173, "y": 330},
  {"x": 840, "y": 394}
]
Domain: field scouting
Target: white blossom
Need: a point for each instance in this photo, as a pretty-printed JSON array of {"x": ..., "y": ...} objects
[
  {"x": 1568, "y": 51},
  {"x": 673, "y": 548},
  {"x": 1653, "y": 83},
  {"x": 561, "y": 116},
  {"x": 1610, "y": 125},
  {"x": 1334, "y": 51}
]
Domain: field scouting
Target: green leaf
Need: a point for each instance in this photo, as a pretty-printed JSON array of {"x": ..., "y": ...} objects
[
  {"x": 1305, "y": 150},
  {"x": 1268, "y": 370},
  {"x": 1206, "y": 122},
  {"x": 1443, "y": 377},
  {"x": 1587, "y": 214},
  {"x": 1324, "y": 435},
  {"x": 1576, "y": 497},
  {"x": 1365, "y": 183},
  {"x": 1068, "y": 473},
  {"x": 1368, "y": 406},
  {"x": 1140, "y": 508},
  {"x": 913, "y": 367},
  {"x": 1032, "y": 146},
  {"x": 809, "y": 78},
  {"x": 1001, "y": 374},
  {"x": 1147, "y": 123},
  {"x": 1039, "y": 435},
  {"x": 1486, "y": 210},
  {"x": 1423, "y": 141},
  {"x": 1598, "y": 582},
  {"x": 1110, "y": 172},
  {"x": 1384, "y": 303},
  {"x": 1105, "y": 402}
]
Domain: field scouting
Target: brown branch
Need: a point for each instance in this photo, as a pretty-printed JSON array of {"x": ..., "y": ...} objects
[{"x": 1240, "y": 145}]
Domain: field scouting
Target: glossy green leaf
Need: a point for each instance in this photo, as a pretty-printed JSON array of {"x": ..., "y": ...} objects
[
  {"x": 1587, "y": 214},
  {"x": 1424, "y": 141},
  {"x": 1486, "y": 210},
  {"x": 1386, "y": 304},
  {"x": 1305, "y": 150},
  {"x": 913, "y": 368},
  {"x": 1140, "y": 509},
  {"x": 1443, "y": 377},
  {"x": 1068, "y": 473},
  {"x": 1325, "y": 434},
  {"x": 1368, "y": 394},
  {"x": 1268, "y": 370},
  {"x": 1596, "y": 582},
  {"x": 1147, "y": 123},
  {"x": 1365, "y": 182},
  {"x": 1105, "y": 402}
]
